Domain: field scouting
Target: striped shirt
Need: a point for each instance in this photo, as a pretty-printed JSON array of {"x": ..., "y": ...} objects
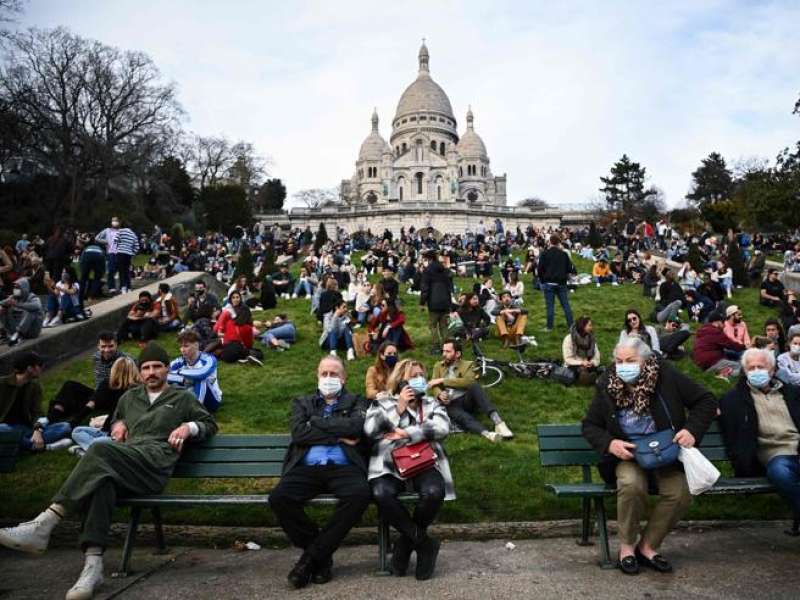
[
  {"x": 108, "y": 237},
  {"x": 102, "y": 368},
  {"x": 127, "y": 242}
]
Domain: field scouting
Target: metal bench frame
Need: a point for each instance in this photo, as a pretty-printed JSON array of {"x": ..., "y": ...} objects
[{"x": 565, "y": 446}]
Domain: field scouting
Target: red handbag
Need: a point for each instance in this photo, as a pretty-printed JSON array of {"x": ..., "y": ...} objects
[{"x": 412, "y": 459}]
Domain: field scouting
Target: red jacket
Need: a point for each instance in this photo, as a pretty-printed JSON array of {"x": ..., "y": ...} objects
[
  {"x": 709, "y": 343},
  {"x": 231, "y": 332},
  {"x": 377, "y": 324}
]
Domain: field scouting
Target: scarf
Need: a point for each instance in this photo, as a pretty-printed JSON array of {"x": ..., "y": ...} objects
[
  {"x": 637, "y": 396},
  {"x": 583, "y": 344}
]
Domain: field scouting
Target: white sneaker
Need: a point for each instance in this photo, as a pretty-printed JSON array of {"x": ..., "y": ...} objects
[
  {"x": 294, "y": 296},
  {"x": 597, "y": 284},
  {"x": 60, "y": 444},
  {"x": 614, "y": 283},
  {"x": 351, "y": 354},
  {"x": 503, "y": 431},
  {"x": 55, "y": 321},
  {"x": 32, "y": 536},
  {"x": 492, "y": 436},
  {"x": 332, "y": 352},
  {"x": 91, "y": 578},
  {"x": 124, "y": 290},
  {"x": 46, "y": 323},
  {"x": 76, "y": 450}
]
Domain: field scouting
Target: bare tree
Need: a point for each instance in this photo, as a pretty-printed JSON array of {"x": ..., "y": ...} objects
[
  {"x": 212, "y": 159},
  {"x": 249, "y": 168},
  {"x": 316, "y": 197}
]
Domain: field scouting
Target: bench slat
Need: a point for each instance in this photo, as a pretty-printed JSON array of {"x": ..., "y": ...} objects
[
  {"x": 569, "y": 458},
  {"x": 243, "y": 469},
  {"x": 580, "y": 489},
  {"x": 217, "y": 500},
  {"x": 233, "y": 455},
  {"x": 557, "y": 430},
  {"x": 245, "y": 441}
]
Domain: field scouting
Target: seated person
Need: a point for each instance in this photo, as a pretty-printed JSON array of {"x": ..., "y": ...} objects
[
  {"x": 283, "y": 282},
  {"x": 723, "y": 275},
  {"x": 168, "y": 317},
  {"x": 775, "y": 335},
  {"x": 63, "y": 300},
  {"x": 454, "y": 384},
  {"x": 21, "y": 406},
  {"x": 280, "y": 333},
  {"x": 242, "y": 286},
  {"x": 391, "y": 287},
  {"x": 141, "y": 322},
  {"x": 326, "y": 455},
  {"x": 789, "y": 362},
  {"x": 687, "y": 277},
  {"x": 735, "y": 327},
  {"x": 711, "y": 290},
  {"x": 74, "y": 400},
  {"x": 151, "y": 424},
  {"x": 408, "y": 415},
  {"x": 235, "y": 330},
  {"x": 510, "y": 321},
  {"x": 201, "y": 304},
  {"x": 772, "y": 290},
  {"x": 361, "y": 302},
  {"x": 755, "y": 266},
  {"x": 378, "y": 373},
  {"x": 601, "y": 273},
  {"x": 336, "y": 332},
  {"x": 710, "y": 345},
  {"x": 389, "y": 325},
  {"x": 305, "y": 285},
  {"x": 580, "y": 351},
  {"x": 477, "y": 323},
  {"x": 760, "y": 421},
  {"x": 698, "y": 306},
  {"x": 635, "y": 327},
  {"x": 618, "y": 269},
  {"x": 516, "y": 288},
  {"x": 124, "y": 375},
  {"x": 671, "y": 337},
  {"x": 329, "y": 298},
  {"x": 196, "y": 371},
  {"x": 21, "y": 314}
]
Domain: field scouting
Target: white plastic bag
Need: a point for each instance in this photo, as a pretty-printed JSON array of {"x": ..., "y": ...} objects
[{"x": 701, "y": 474}]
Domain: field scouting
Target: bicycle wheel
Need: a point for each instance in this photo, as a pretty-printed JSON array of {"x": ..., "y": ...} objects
[{"x": 490, "y": 376}]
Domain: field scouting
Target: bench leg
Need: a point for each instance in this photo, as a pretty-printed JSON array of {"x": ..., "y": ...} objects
[
  {"x": 133, "y": 525},
  {"x": 602, "y": 533},
  {"x": 586, "y": 522},
  {"x": 159, "y": 529},
  {"x": 795, "y": 530},
  {"x": 384, "y": 539}
]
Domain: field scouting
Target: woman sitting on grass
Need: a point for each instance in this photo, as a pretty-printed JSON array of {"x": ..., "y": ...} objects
[
  {"x": 580, "y": 351},
  {"x": 635, "y": 327},
  {"x": 389, "y": 325},
  {"x": 378, "y": 373},
  {"x": 235, "y": 329}
]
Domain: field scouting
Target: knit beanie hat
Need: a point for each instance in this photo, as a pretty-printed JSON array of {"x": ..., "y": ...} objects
[{"x": 153, "y": 352}]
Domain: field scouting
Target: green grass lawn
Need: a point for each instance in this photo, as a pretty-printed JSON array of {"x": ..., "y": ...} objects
[{"x": 502, "y": 482}]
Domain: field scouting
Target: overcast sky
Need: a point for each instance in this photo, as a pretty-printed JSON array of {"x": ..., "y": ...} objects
[{"x": 558, "y": 92}]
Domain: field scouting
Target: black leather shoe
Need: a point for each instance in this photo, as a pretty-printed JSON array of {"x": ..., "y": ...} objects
[
  {"x": 401, "y": 554},
  {"x": 322, "y": 573},
  {"x": 657, "y": 563},
  {"x": 628, "y": 565},
  {"x": 300, "y": 575},
  {"x": 427, "y": 552}
]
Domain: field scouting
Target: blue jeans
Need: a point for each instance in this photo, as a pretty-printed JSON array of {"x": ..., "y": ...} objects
[
  {"x": 304, "y": 285},
  {"x": 337, "y": 337},
  {"x": 784, "y": 473},
  {"x": 551, "y": 290},
  {"x": 51, "y": 433},
  {"x": 111, "y": 271},
  {"x": 86, "y": 436},
  {"x": 63, "y": 304},
  {"x": 286, "y": 332},
  {"x": 605, "y": 279}
]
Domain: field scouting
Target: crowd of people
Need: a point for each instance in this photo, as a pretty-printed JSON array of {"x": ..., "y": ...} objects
[{"x": 130, "y": 426}]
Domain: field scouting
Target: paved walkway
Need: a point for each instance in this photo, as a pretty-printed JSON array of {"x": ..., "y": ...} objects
[{"x": 744, "y": 563}]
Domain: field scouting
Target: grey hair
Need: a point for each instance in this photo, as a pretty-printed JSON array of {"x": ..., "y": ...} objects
[
  {"x": 337, "y": 360},
  {"x": 752, "y": 352},
  {"x": 643, "y": 351}
]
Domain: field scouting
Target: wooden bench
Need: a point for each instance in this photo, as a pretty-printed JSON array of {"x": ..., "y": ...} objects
[
  {"x": 564, "y": 446},
  {"x": 9, "y": 450},
  {"x": 228, "y": 456}
]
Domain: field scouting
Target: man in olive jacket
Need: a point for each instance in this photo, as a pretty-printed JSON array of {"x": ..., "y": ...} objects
[
  {"x": 150, "y": 426},
  {"x": 454, "y": 383},
  {"x": 326, "y": 456}
]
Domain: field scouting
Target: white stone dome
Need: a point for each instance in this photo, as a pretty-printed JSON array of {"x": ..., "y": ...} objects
[
  {"x": 471, "y": 145},
  {"x": 424, "y": 94},
  {"x": 373, "y": 147}
]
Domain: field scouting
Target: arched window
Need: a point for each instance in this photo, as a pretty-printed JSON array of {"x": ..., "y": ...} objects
[
  {"x": 460, "y": 171},
  {"x": 472, "y": 196},
  {"x": 400, "y": 185},
  {"x": 441, "y": 148},
  {"x": 418, "y": 177},
  {"x": 404, "y": 147},
  {"x": 400, "y": 192},
  {"x": 438, "y": 192}
]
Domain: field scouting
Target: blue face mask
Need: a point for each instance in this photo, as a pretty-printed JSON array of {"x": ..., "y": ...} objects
[
  {"x": 758, "y": 377},
  {"x": 628, "y": 372},
  {"x": 390, "y": 360},
  {"x": 418, "y": 384}
]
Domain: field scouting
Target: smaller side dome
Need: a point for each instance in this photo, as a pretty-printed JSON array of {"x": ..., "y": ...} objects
[
  {"x": 374, "y": 146},
  {"x": 471, "y": 145}
]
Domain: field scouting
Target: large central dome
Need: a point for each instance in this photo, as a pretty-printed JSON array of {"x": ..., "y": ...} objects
[{"x": 424, "y": 95}]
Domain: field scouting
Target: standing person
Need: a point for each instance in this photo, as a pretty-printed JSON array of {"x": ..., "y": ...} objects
[
  {"x": 436, "y": 296},
  {"x": 407, "y": 415},
  {"x": 580, "y": 351},
  {"x": 21, "y": 406},
  {"x": 108, "y": 238},
  {"x": 325, "y": 456},
  {"x": 127, "y": 248},
  {"x": 197, "y": 371},
  {"x": 554, "y": 268},
  {"x": 93, "y": 269},
  {"x": 638, "y": 396},
  {"x": 151, "y": 424},
  {"x": 58, "y": 252},
  {"x": 453, "y": 383}
]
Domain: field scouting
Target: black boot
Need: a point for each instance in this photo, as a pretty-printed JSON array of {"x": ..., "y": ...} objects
[
  {"x": 300, "y": 575},
  {"x": 427, "y": 552},
  {"x": 401, "y": 554},
  {"x": 322, "y": 572}
]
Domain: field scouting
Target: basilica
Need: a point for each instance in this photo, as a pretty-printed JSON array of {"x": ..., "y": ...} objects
[{"x": 425, "y": 159}]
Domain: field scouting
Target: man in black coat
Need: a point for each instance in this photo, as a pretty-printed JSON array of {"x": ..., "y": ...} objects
[
  {"x": 326, "y": 456},
  {"x": 437, "y": 297},
  {"x": 760, "y": 421},
  {"x": 554, "y": 268}
]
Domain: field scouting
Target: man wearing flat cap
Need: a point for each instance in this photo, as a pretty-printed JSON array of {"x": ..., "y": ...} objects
[{"x": 150, "y": 426}]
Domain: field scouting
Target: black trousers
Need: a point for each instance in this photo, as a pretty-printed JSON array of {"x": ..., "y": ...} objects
[
  {"x": 461, "y": 410},
  {"x": 347, "y": 482},
  {"x": 233, "y": 351},
  {"x": 430, "y": 487},
  {"x": 669, "y": 343},
  {"x": 142, "y": 330}
]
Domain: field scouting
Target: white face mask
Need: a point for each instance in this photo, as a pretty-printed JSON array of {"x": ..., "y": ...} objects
[
  {"x": 795, "y": 349},
  {"x": 17, "y": 293},
  {"x": 329, "y": 386}
]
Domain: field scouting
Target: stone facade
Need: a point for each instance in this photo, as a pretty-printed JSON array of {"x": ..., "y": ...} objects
[{"x": 425, "y": 159}]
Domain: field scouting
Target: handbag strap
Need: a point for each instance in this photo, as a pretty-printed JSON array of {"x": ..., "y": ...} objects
[{"x": 666, "y": 410}]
